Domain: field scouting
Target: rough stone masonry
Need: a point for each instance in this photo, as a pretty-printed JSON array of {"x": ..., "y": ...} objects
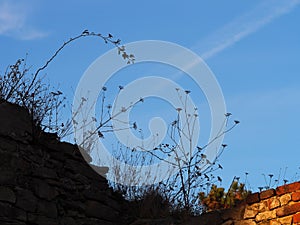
[{"x": 48, "y": 182}]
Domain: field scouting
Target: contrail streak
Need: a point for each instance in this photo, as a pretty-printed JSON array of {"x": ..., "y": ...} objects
[{"x": 243, "y": 26}]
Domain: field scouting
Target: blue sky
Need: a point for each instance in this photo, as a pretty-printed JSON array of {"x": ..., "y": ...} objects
[{"x": 252, "y": 47}]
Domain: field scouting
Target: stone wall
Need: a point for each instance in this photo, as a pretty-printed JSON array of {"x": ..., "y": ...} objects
[
  {"x": 47, "y": 182},
  {"x": 280, "y": 206},
  {"x": 274, "y": 206}
]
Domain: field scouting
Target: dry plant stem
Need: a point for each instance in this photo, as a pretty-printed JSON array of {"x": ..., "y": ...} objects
[
  {"x": 31, "y": 93},
  {"x": 85, "y": 33},
  {"x": 104, "y": 123},
  {"x": 187, "y": 178}
]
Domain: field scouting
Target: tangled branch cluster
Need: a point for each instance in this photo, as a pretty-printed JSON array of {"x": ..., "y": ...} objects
[{"x": 44, "y": 103}]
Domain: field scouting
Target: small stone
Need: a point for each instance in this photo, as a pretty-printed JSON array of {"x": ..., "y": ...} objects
[
  {"x": 10, "y": 212},
  {"x": 260, "y": 207},
  {"x": 273, "y": 203},
  {"x": 250, "y": 213},
  {"x": 296, "y": 196},
  {"x": 7, "y": 195},
  {"x": 252, "y": 210},
  {"x": 286, "y": 220},
  {"x": 284, "y": 199},
  {"x": 274, "y": 222},
  {"x": 263, "y": 206},
  {"x": 288, "y": 210},
  {"x": 26, "y": 200},
  {"x": 296, "y": 218},
  {"x": 68, "y": 221},
  {"x": 265, "y": 216},
  {"x": 44, "y": 172},
  {"x": 264, "y": 223},
  {"x": 41, "y": 220},
  {"x": 288, "y": 188},
  {"x": 43, "y": 190},
  {"x": 267, "y": 194},
  {"x": 47, "y": 209},
  {"x": 7, "y": 177},
  {"x": 253, "y": 198}
]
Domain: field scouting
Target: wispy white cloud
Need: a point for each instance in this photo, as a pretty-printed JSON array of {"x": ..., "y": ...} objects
[
  {"x": 245, "y": 25},
  {"x": 14, "y": 21},
  {"x": 11, "y": 18},
  {"x": 31, "y": 34}
]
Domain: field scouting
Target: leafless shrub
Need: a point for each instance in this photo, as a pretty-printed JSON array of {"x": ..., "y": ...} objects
[{"x": 19, "y": 86}]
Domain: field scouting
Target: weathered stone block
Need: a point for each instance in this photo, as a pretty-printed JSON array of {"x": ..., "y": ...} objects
[
  {"x": 285, "y": 199},
  {"x": 273, "y": 203},
  {"x": 76, "y": 206},
  {"x": 296, "y": 218},
  {"x": 6, "y": 160},
  {"x": 253, "y": 198},
  {"x": 24, "y": 166},
  {"x": 260, "y": 207},
  {"x": 7, "y": 195},
  {"x": 264, "y": 223},
  {"x": 41, "y": 220},
  {"x": 44, "y": 172},
  {"x": 287, "y": 220},
  {"x": 268, "y": 215},
  {"x": 288, "y": 210},
  {"x": 250, "y": 213},
  {"x": 67, "y": 221},
  {"x": 26, "y": 200},
  {"x": 245, "y": 222},
  {"x": 47, "y": 209},
  {"x": 263, "y": 206},
  {"x": 296, "y": 196},
  {"x": 11, "y": 213},
  {"x": 100, "y": 211},
  {"x": 275, "y": 222},
  {"x": 7, "y": 177},
  {"x": 267, "y": 194},
  {"x": 288, "y": 188},
  {"x": 252, "y": 210},
  {"x": 43, "y": 190}
]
